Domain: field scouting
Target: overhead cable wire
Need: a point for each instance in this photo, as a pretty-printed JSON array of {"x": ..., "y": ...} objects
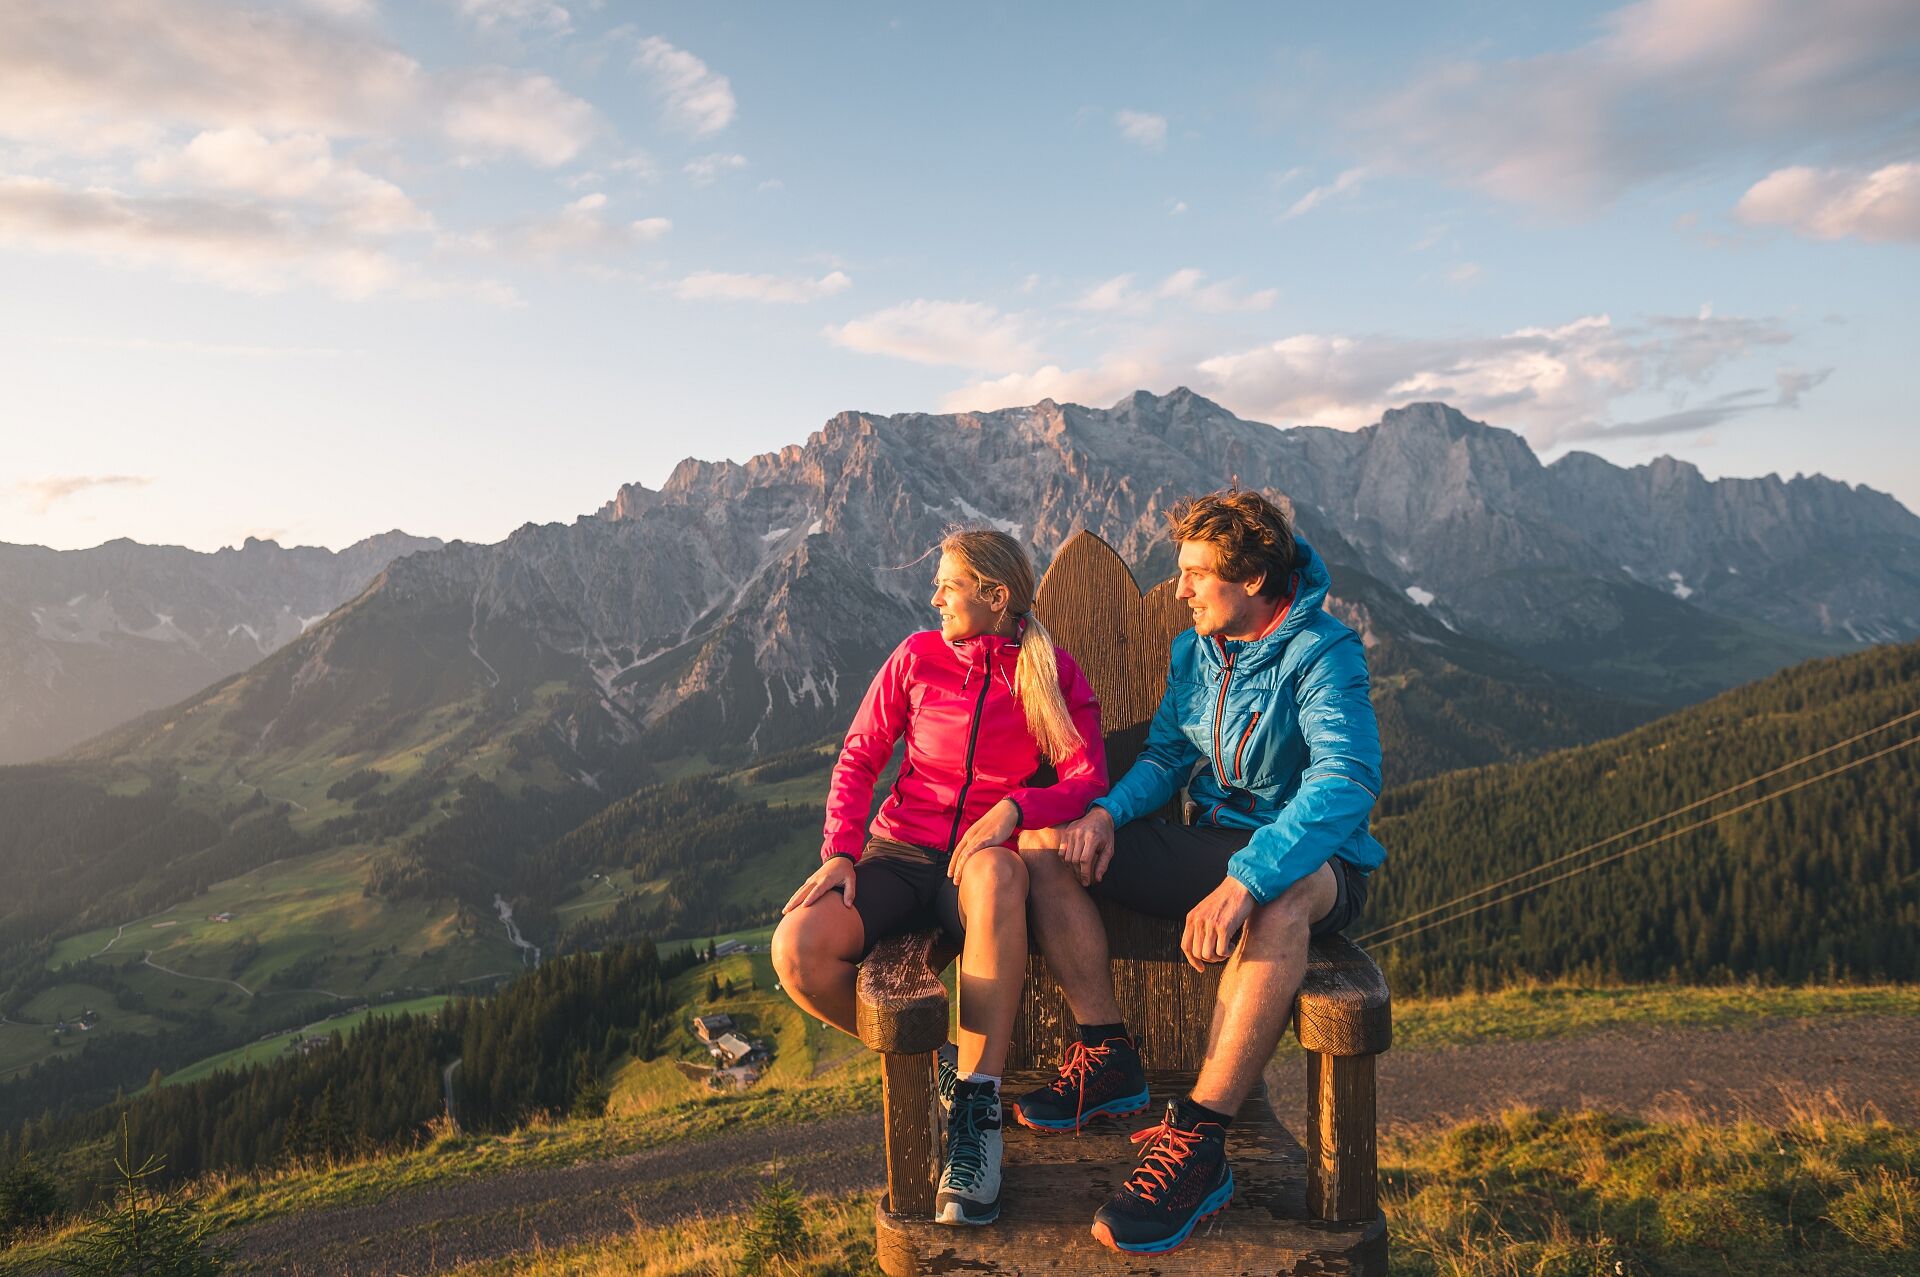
[
  {"x": 1628, "y": 851},
  {"x": 1643, "y": 825}
]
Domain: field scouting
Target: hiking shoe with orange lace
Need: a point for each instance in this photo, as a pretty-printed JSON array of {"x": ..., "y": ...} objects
[
  {"x": 1094, "y": 1081},
  {"x": 1182, "y": 1178}
]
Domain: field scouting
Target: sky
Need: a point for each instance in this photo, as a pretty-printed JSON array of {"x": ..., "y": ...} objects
[{"x": 316, "y": 270}]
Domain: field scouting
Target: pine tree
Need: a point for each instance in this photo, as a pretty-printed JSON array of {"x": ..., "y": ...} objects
[
  {"x": 28, "y": 1198},
  {"x": 145, "y": 1232},
  {"x": 713, "y": 989},
  {"x": 777, "y": 1229}
]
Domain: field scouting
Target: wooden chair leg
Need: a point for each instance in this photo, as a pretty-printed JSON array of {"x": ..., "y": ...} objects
[
  {"x": 1342, "y": 1161},
  {"x": 913, "y": 1140}
]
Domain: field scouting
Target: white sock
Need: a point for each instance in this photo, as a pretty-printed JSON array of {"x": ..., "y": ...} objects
[{"x": 990, "y": 1079}]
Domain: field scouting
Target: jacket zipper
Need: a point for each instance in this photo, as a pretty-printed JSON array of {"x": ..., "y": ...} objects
[
  {"x": 973, "y": 736},
  {"x": 1219, "y": 709},
  {"x": 1242, "y": 747}
]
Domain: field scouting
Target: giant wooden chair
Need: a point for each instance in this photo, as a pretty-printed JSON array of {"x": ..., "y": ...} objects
[{"x": 1295, "y": 1210}]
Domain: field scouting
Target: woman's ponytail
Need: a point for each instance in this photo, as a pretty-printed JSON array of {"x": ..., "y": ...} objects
[{"x": 1037, "y": 676}]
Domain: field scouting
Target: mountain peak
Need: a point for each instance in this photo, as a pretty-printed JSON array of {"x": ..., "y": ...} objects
[{"x": 1432, "y": 417}]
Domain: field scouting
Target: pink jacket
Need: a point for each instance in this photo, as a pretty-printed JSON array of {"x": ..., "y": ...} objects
[{"x": 967, "y": 747}]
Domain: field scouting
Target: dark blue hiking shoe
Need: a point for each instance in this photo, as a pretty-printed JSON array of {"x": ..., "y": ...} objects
[
  {"x": 1182, "y": 1178},
  {"x": 1094, "y": 1081}
]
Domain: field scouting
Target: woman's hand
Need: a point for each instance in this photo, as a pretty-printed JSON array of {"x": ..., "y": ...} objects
[
  {"x": 990, "y": 830},
  {"x": 835, "y": 872}
]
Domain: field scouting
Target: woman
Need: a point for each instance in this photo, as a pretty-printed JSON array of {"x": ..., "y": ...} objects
[{"x": 982, "y": 703}]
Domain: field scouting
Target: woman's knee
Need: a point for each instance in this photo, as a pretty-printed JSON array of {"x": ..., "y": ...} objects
[
  {"x": 805, "y": 950},
  {"x": 994, "y": 873}
]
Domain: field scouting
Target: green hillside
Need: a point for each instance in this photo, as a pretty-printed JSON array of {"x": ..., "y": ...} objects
[{"x": 1823, "y": 882}]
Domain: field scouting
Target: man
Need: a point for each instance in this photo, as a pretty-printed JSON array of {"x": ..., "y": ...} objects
[{"x": 1267, "y": 722}]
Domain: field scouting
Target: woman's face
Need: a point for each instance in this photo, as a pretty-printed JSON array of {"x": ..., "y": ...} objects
[{"x": 957, "y": 597}]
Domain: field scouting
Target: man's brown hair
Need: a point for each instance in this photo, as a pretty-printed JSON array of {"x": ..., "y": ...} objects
[{"x": 1249, "y": 535}]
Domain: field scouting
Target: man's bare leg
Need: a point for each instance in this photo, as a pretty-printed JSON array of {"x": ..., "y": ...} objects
[
  {"x": 816, "y": 951},
  {"x": 1067, "y": 925},
  {"x": 993, "y": 961},
  {"x": 1257, "y": 990}
]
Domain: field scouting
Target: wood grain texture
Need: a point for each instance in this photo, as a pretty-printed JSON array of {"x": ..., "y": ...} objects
[
  {"x": 1344, "y": 1007},
  {"x": 1053, "y": 1184},
  {"x": 1342, "y": 1160},
  {"x": 902, "y": 1006},
  {"x": 913, "y": 1137}
]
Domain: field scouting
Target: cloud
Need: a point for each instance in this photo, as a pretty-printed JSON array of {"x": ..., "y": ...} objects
[
  {"x": 1666, "y": 86},
  {"x": 42, "y": 494},
  {"x": 501, "y": 110},
  {"x": 1878, "y": 206},
  {"x": 1555, "y": 383},
  {"x": 1142, "y": 129},
  {"x": 1319, "y": 195},
  {"x": 706, "y": 169},
  {"x": 114, "y": 74},
  {"x": 1186, "y": 286},
  {"x": 298, "y": 169},
  {"x": 961, "y": 334},
  {"x": 1463, "y": 274},
  {"x": 581, "y": 228},
  {"x": 241, "y": 245},
  {"x": 717, "y": 286},
  {"x": 692, "y": 96},
  {"x": 1103, "y": 384},
  {"x": 518, "y": 15}
]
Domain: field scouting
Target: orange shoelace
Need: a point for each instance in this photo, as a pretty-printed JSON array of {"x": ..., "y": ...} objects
[
  {"x": 1163, "y": 1159},
  {"x": 1075, "y": 1070}
]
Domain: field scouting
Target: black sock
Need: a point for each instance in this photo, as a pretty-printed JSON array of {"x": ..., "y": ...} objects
[
  {"x": 1187, "y": 1114},
  {"x": 1095, "y": 1034}
]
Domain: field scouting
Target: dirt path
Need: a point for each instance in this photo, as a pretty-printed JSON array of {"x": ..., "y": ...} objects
[
  {"x": 204, "y": 979},
  {"x": 1719, "y": 1073},
  {"x": 433, "y": 1229}
]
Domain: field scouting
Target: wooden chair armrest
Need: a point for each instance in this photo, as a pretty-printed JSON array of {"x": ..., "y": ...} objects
[
  {"x": 1343, "y": 1008},
  {"x": 902, "y": 1004}
]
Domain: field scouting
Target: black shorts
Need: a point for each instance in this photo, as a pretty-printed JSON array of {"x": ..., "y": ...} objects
[
  {"x": 899, "y": 887},
  {"x": 1164, "y": 870}
]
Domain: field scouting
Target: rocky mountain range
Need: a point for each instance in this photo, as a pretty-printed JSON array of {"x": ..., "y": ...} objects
[
  {"x": 91, "y": 638},
  {"x": 1511, "y": 605}
]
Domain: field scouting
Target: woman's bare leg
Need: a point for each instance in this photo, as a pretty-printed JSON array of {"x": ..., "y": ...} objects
[
  {"x": 993, "y": 962},
  {"x": 816, "y": 951}
]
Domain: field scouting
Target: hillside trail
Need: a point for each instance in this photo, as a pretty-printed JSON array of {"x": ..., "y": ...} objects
[{"x": 1759, "y": 1071}]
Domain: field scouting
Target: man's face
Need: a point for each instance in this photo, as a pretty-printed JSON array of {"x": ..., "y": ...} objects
[{"x": 1226, "y": 608}]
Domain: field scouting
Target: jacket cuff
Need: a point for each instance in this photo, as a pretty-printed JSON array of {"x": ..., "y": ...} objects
[{"x": 828, "y": 853}]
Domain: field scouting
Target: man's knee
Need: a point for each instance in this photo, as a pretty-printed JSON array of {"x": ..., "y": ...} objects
[
  {"x": 1287, "y": 920},
  {"x": 994, "y": 873},
  {"x": 1047, "y": 873}
]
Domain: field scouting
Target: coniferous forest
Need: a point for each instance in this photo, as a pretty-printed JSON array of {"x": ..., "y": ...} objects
[
  {"x": 530, "y": 1049},
  {"x": 1822, "y": 883}
]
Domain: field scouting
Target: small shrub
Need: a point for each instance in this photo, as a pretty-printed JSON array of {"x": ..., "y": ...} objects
[
  {"x": 778, "y": 1230},
  {"x": 28, "y": 1198},
  {"x": 145, "y": 1232}
]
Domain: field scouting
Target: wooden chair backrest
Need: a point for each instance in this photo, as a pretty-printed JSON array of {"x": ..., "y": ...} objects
[{"x": 1090, "y": 604}]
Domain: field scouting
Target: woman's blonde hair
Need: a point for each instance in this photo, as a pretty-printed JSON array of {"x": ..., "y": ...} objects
[{"x": 994, "y": 558}]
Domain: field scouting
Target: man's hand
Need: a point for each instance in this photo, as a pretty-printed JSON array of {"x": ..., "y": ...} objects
[
  {"x": 1212, "y": 923},
  {"x": 990, "y": 830},
  {"x": 1087, "y": 845},
  {"x": 837, "y": 872}
]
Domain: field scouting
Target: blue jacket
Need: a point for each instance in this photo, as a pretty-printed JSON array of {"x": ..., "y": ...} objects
[{"x": 1286, "y": 731}]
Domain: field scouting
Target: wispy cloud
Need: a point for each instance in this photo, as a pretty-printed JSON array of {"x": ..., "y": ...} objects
[
  {"x": 1666, "y": 86},
  {"x": 518, "y": 15},
  {"x": 1187, "y": 287},
  {"x": 957, "y": 333},
  {"x": 1878, "y": 205},
  {"x": 692, "y": 96},
  {"x": 297, "y": 169},
  {"x": 580, "y": 228},
  {"x": 704, "y": 170},
  {"x": 117, "y": 74},
  {"x": 719, "y": 286},
  {"x": 44, "y": 494},
  {"x": 1142, "y": 129},
  {"x": 1319, "y": 195}
]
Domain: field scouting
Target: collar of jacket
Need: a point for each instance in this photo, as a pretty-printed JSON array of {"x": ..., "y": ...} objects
[
  {"x": 1004, "y": 651},
  {"x": 1309, "y": 594}
]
